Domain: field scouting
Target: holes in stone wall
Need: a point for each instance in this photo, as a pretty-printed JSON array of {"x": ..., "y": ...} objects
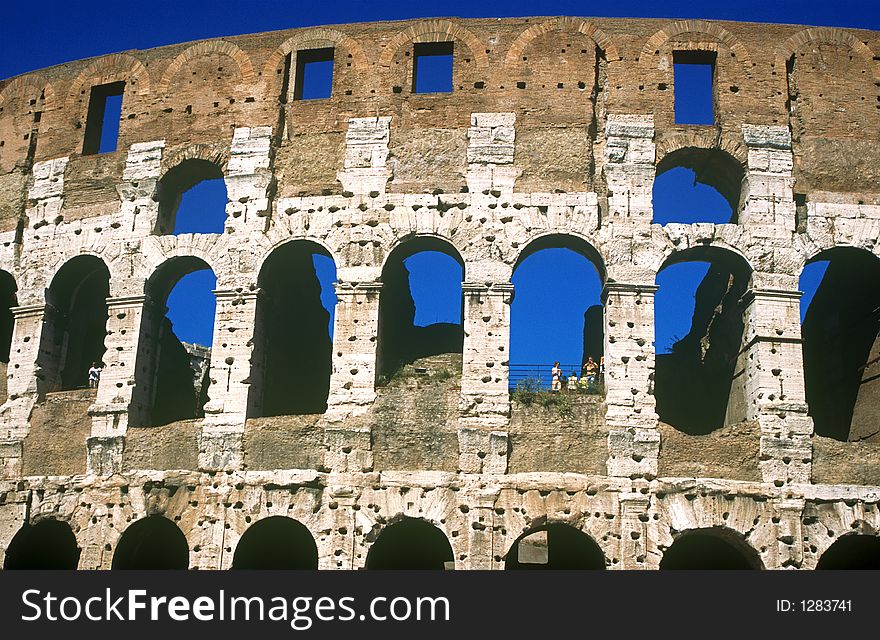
[
  {"x": 852, "y": 552},
  {"x": 697, "y": 185},
  {"x": 698, "y": 336},
  {"x": 314, "y": 74},
  {"x": 555, "y": 546},
  {"x": 152, "y": 543},
  {"x": 411, "y": 544},
  {"x": 420, "y": 307},
  {"x": 294, "y": 331},
  {"x": 49, "y": 544},
  {"x": 432, "y": 67},
  {"x": 192, "y": 199},
  {"x": 694, "y": 77},
  {"x": 102, "y": 121},
  {"x": 716, "y": 548},
  {"x": 276, "y": 543},
  {"x": 840, "y": 314},
  {"x": 75, "y": 323}
]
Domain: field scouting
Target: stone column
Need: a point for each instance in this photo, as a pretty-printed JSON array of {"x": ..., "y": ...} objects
[
  {"x": 629, "y": 168},
  {"x": 490, "y": 154},
  {"x": 249, "y": 180},
  {"x": 139, "y": 211},
  {"x": 772, "y": 384},
  {"x": 633, "y": 437},
  {"x": 634, "y": 529},
  {"x": 769, "y": 210},
  {"x": 355, "y": 339},
  {"x": 22, "y": 386},
  {"x": 365, "y": 170}
]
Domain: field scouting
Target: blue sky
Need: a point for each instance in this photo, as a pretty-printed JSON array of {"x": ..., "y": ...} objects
[{"x": 547, "y": 312}]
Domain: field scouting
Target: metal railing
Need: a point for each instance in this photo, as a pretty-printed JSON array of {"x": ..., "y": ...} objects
[{"x": 542, "y": 373}]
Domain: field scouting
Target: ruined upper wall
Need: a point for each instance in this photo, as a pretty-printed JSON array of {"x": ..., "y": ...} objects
[{"x": 560, "y": 76}]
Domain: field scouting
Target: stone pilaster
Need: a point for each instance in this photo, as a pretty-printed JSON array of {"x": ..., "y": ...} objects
[
  {"x": 629, "y": 167},
  {"x": 46, "y": 195},
  {"x": 490, "y": 153},
  {"x": 772, "y": 377},
  {"x": 769, "y": 210},
  {"x": 249, "y": 180},
  {"x": 355, "y": 338},
  {"x": 139, "y": 211},
  {"x": 634, "y": 530},
  {"x": 365, "y": 170},
  {"x": 633, "y": 437},
  {"x": 789, "y": 532}
]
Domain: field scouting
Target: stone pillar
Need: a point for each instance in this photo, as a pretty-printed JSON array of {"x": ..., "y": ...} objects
[
  {"x": 365, "y": 170},
  {"x": 126, "y": 387},
  {"x": 490, "y": 153},
  {"x": 789, "y": 532},
  {"x": 769, "y": 210},
  {"x": 355, "y": 339},
  {"x": 634, "y": 530},
  {"x": 22, "y": 387},
  {"x": 629, "y": 167},
  {"x": 249, "y": 180},
  {"x": 633, "y": 436},
  {"x": 139, "y": 211},
  {"x": 46, "y": 196},
  {"x": 773, "y": 384}
]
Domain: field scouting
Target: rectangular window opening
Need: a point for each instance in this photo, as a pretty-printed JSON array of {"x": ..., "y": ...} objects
[
  {"x": 694, "y": 87},
  {"x": 432, "y": 67},
  {"x": 102, "y": 121},
  {"x": 314, "y": 74}
]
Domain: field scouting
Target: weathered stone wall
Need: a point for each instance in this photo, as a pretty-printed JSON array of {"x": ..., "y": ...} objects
[{"x": 552, "y": 136}]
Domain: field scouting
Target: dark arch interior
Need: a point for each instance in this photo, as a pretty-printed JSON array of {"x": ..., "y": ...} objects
[
  {"x": 852, "y": 552},
  {"x": 172, "y": 187},
  {"x": 8, "y": 300},
  {"x": 400, "y": 340},
  {"x": 705, "y": 549},
  {"x": 693, "y": 384},
  {"x": 177, "y": 373},
  {"x": 76, "y": 329},
  {"x": 842, "y": 349},
  {"x": 293, "y": 326},
  {"x": 557, "y": 546},
  {"x": 49, "y": 544},
  {"x": 152, "y": 543},
  {"x": 276, "y": 543},
  {"x": 410, "y": 544},
  {"x": 712, "y": 167}
]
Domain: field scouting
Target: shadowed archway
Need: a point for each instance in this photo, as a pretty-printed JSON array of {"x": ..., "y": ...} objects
[
  {"x": 49, "y": 544},
  {"x": 555, "y": 546},
  {"x": 276, "y": 542},
  {"x": 152, "y": 543},
  {"x": 410, "y": 544},
  {"x": 714, "y": 548},
  {"x": 852, "y": 551}
]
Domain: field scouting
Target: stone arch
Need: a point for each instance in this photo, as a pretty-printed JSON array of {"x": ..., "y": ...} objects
[
  {"x": 30, "y": 84},
  {"x": 317, "y": 38},
  {"x": 513, "y": 60},
  {"x": 437, "y": 240},
  {"x": 555, "y": 545},
  {"x": 207, "y": 47},
  {"x": 673, "y": 29},
  {"x": 715, "y": 547},
  {"x": 438, "y": 30},
  {"x": 564, "y": 238},
  {"x": 709, "y": 140},
  {"x": 113, "y": 68},
  {"x": 830, "y": 35},
  {"x": 401, "y": 543},
  {"x": 853, "y": 550},
  {"x": 322, "y": 243},
  {"x": 175, "y": 182},
  {"x": 154, "y": 542},
  {"x": 47, "y": 544},
  {"x": 217, "y": 154},
  {"x": 276, "y": 542}
]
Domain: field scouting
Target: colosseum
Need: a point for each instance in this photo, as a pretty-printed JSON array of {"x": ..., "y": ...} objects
[{"x": 388, "y": 447}]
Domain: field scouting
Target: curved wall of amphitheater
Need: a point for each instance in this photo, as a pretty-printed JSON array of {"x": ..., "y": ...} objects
[{"x": 553, "y": 132}]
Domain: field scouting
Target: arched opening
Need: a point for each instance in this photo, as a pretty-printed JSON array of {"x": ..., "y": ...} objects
[
  {"x": 152, "y": 543},
  {"x": 75, "y": 323},
  {"x": 840, "y": 316},
  {"x": 698, "y": 336},
  {"x": 557, "y": 315},
  {"x": 174, "y": 353},
  {"x": 852, "y": 552},
  {"x": 8, "y": 300},
  {"x": 49, "y": 544},
  {"x": 295, "y": 330},
  {"x": 698, "y": 185},
  {"x": 555, "y": 546},
  {"x": 411, "y": 544},
  {"x": 715, "y": 548},
  {"x": 276, "y": 543},
  {"x": 192, "y": 199},
  {"x": 420, "y": 307}
]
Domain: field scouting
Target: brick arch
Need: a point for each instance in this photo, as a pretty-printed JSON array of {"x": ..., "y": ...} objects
[
  {"x": 112, "y": 68},
  {"x": 435, "y": 31},
  {"x": 21, "y": 86},
  {"x": 525, "y": 39},
  {"x": 830, "y": 35},
  {"x": 207, "y": 47},
  {"x": 215, "y": 153},
  {"x": 315, "y": 39},
  {"x": 702, "y": 140},
  {"x": 656, "y": 41}
]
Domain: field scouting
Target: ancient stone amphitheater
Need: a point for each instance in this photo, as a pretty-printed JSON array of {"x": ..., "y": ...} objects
[{"x": 759, "y": 447}]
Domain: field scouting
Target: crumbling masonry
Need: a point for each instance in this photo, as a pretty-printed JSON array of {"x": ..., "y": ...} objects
[{"x": 552, "y": 136}]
